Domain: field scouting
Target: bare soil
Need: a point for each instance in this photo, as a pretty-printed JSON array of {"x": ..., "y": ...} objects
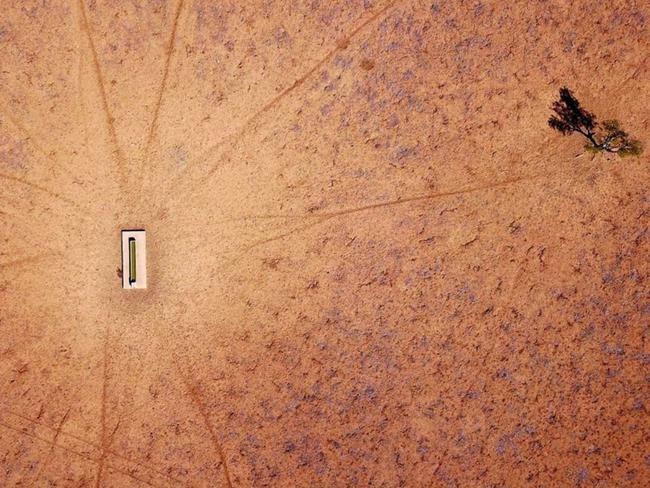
[{"x": 370, "y": 261}]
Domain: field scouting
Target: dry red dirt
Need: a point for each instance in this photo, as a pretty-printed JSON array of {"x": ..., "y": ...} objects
[{"x": 370, "y": 261}]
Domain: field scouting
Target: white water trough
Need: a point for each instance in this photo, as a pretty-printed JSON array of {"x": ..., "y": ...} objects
[{"x": 134, "y": 259}]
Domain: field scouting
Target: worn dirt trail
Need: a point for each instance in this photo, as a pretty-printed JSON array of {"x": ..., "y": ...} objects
[{"x": 370, "y": 262}]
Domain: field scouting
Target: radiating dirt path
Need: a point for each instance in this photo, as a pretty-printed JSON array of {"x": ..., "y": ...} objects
[{"x": 370, "y": 262}]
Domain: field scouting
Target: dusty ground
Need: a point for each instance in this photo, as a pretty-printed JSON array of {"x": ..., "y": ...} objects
[{"x": 370, "y": 261}]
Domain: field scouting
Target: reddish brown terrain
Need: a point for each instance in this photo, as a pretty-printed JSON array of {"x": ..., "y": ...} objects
[{"x": 371, "y": 263}]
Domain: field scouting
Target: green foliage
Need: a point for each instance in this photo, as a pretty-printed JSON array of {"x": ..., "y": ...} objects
[
  {"x": 589, "y": 147},
  {"x": 607, "y": 136},
  {"x": 632, "y": 148},
  {"x": 617, "y": 140}
]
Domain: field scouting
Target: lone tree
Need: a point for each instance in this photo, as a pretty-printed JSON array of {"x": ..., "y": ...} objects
[{"x": 608, "y": 136}]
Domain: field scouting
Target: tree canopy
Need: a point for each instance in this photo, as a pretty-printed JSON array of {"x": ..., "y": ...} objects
[{"x": 607, "y": 136}]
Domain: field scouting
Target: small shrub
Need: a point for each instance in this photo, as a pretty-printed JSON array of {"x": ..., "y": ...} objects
[{"x": 608, "y": 136}]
